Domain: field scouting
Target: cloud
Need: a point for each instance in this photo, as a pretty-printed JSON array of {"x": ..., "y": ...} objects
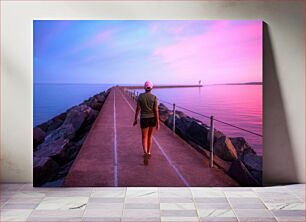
[
  {"x": 94, "y": 41},
  {"x": 164, "y": 51},
  {"x": 224, "y": 53},
  {"x": 45, "y": 31}
]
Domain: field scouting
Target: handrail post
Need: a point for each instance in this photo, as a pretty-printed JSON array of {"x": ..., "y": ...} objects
[
  {"x": 211, "y": 164},
  {"x": 174, "y": 112}
]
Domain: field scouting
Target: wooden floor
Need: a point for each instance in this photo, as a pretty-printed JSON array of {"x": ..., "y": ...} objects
[{"x": 112, "y": 154}]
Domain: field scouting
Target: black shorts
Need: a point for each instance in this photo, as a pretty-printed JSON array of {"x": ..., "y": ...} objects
[{"x": 147, "y": 122}]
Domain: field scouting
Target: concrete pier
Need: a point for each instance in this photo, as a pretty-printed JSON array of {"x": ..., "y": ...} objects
[{"x": 112, "y": 154}]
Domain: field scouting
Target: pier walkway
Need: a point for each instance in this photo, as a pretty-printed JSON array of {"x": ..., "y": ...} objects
[{"x": 112, "y": 154}]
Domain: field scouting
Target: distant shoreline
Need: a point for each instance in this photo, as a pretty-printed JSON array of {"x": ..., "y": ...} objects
[
  {"x": 245, "y": 83},
  {"x": 156, "y": 86},
  {"x": 161, "y": 86}
]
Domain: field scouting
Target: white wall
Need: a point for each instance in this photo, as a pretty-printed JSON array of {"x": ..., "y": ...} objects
[{"x": 284, "y": 87}]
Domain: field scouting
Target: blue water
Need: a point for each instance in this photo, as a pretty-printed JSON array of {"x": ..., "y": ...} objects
[{"x": 53, "y": 99}]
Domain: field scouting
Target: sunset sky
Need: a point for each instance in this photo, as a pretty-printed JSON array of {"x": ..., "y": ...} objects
[{"x": 131, "y": 52}]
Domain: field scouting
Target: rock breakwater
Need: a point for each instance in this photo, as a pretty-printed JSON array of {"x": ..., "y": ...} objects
[
  {"x": 233, "y": 154},
  {"x": 57, "y": 141}
]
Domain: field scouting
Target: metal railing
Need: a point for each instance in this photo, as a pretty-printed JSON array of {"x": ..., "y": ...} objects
[
  {"x": 217, "y": 120},
  {"x": 134, "y": 95}
]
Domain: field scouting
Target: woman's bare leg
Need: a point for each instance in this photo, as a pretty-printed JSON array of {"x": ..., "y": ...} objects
[
  {"x": 150, "y": 139},
  {"x": 144, "y": 132}
]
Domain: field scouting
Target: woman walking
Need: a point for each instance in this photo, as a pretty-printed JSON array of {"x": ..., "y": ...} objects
[{"x": 149, "y": 118}]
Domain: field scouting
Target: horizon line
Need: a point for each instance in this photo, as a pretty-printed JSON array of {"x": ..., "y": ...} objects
[{"x": 136, "y": 84}]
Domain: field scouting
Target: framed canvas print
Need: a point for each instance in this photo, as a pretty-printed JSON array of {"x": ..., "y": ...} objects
[{"x": 146, "y": 103}]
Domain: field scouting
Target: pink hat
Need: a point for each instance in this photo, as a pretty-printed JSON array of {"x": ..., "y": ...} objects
[{"x": 148, "y": 84}]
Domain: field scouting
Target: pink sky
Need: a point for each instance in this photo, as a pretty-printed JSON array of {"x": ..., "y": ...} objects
[
  {"x": 225, "y": 53},
  {"x": 164, "y": 51}
]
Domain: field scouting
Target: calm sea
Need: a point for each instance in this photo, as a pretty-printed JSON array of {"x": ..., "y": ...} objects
[
  {"x": 240, "y": 105},
  {"x": 53, "y": 99}
]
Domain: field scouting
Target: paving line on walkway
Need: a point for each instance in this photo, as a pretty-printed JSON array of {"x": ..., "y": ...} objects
[
  {"x": 115, "y": 145},
  {"x": 178, "y": 173}
]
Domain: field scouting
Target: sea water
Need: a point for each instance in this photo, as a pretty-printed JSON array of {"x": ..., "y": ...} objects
[
  {"x": 239, "y": 105},
  {"x": 53, "y": 99}
]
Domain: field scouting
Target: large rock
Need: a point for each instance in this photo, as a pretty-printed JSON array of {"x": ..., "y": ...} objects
[
  {"x": 91, "y": 117},
  {"x": 51, "y": 124},
  {"x": 65, "y": 131},
  {"x": 38, "y": 136},
  {"x": 58, "y": 150},
  {"x": 101, "y": 97},
  {"x": 241, "y": 174},
  {"x": 56, "y": 123},
  {"x": 54, "y": 183},
  {"x": 252, "y": 161},
  {"x": 64, "y": 170},
  {"x": 190, "y": 129},
  {"x": 83, "y": 107},
  {"x": 72, "y": 150},
  {"x": 197, "y": 132},
  {"x": 94, "y": 103},
  {"x": 181, "y": 125},
  {"x": 163, "y": 112},
  {"x": 217, "y": 135},
  {"x": 62, "y": 116},
  {"x": 180, "y": 114},
  {"x": 241, "y": 145},
  {"x": 224, "y": 148},
  {"x": 44, "y": 168},
  {"x": 257, "y": 175},
  {"x": 76, "y": 118},
  {"x": 73, "y": 122}
]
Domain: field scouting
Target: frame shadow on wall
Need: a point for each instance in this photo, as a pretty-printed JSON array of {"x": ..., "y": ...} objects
[{"x": 279, "y": 164}]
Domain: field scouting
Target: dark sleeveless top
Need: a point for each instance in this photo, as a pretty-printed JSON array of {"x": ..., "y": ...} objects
[{"x": 147, "y": 102}]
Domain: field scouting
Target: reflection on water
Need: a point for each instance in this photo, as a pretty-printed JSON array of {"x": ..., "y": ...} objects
[{"x": 240, "y": 105}]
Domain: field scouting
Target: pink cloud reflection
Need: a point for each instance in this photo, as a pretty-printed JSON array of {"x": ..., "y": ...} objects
[{"x": 224, "y": 53}]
